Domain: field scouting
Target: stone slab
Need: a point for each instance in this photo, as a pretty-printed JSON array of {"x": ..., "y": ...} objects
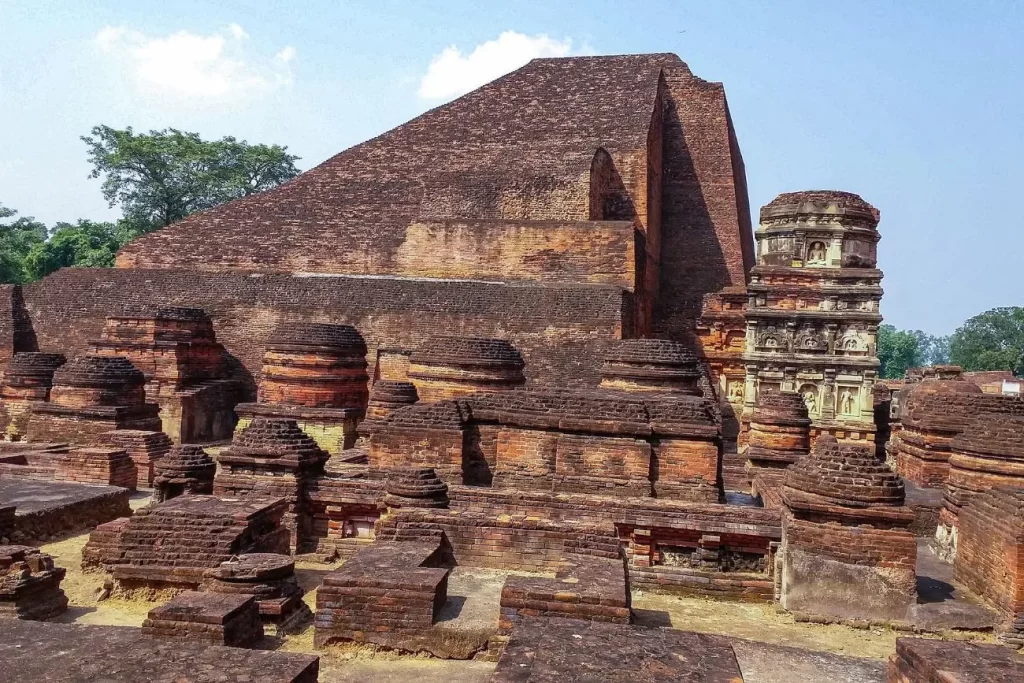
[
  {"x": 111, "y": 654},
  {"x": 38, "y": 496}
]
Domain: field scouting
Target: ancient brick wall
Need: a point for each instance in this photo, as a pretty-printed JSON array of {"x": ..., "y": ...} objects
[
  {"x": 561, "y": 331},
  {"x": 706, "y": 236}
]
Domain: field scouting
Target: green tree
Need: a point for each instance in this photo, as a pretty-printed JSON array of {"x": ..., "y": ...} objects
[
  {"x": 85, "y": 243},
  {"x": 898, "y": 350},
  {"x": 933, "y": 350},
  {"x": 161, "y": 177},
  {"x": 17, "y": 238},
  {"x": 993, "y": 340}
]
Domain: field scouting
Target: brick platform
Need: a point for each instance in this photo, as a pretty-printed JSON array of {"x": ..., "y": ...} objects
[
  {"x": 213, "y": 618},
  {"x": 550, "y": 650},
  {"x": 74, "y": 652},
  {"x": 268, "y": 577},
  {"x": 110, "y": 466},
  {"x": 918, "y": 660},
  {"x": 45, "y": 510},
  {"x": 586, "y": 588},
  {"x": 389, "y": 594},
  {"x": 144, "y": 448}
]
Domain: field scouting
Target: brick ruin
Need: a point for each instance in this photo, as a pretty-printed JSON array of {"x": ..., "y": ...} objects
[
  {"x": 539, "y": 344},
  {"x": 26, "y": 379},
  {"x": 315, "y": 374},
  {"x": 988, "y": 454},
  {"x": 90, "y": 395},
  {"x": 449, "y": 367},
  {"x": 847, "y": 550},
  {"x": 186, "y": 369},
  {"x": 185, "y": 469},
  {"x": 990, "y": 556},
  {"x": 30, "y": 584},
  {"x": 919, "y": 660},
  {"x": 272, "y": 458},
  {"x": 812, "y": 313}
]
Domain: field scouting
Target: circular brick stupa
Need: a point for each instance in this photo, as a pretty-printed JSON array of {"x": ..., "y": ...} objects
[
  {"x": 650, "y": 365},
  {"x": 92, "y": 394},
  {"x": 186, "y": 469},
  {"x": 988, "y": 454},
  {"x": 98, "y": 381},
  {"x": 315, "y": 365},
  {"x": 386, "y": 397},
  {"x": 847, "y": 549},
  {"x": 780, "y": 430},
  {"x": 447, "y": 367},
  {"x": 27, "y": 378},
  {"x": 271, "y": 579},
  {"x": 415, "y": 487}
]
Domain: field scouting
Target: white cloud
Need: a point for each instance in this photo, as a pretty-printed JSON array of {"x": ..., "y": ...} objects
[
  {"x": 453, "y": 73},
  {"x": 190, "y": 65}
]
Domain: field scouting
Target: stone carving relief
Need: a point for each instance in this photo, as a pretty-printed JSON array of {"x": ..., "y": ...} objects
[
  {"x": 810, "y": 340},
  {"x": 735, "y": 393},
  {"x": 771, "y": 339},
  {"x": 809, "y": 392},
  {"x": 847, "y": 402},
  {"x": 816, "y": 252}
]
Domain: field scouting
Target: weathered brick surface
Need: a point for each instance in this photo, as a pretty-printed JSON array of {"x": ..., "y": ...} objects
[
  {"x": 110, "y": 466},
  {"x": 918, "y": 660},
  {"x": 79, "y": 652},
  {"x": 185, "y": 469},
  {"x": 384, "y": 594},
  {"x": 779, "y": 431},
  {"x": 586, "y": 588},
  {"x": 650, "y": 365},
  {"x": 561, "y": 330},
  {"x": 270, "y": 578},
  {"x": 172, "y": 544},
  {"x": 448, "y": 367},
  {"x": 547, "y": 650},
  {"x": 932, "y": 414},
  {"x": 272, "y": 459},
  {"x": 26, "y": 378},
  {"x": 990, "y": 555},
  {"x": 186, "y": 369},
  {"x": 213, "y": 618},
  {"x": 315, "y": 365},
  {"x": 847, "y": 548},
  {"x": 30, "y": 584},
  {"x": 144, "y": 448}
]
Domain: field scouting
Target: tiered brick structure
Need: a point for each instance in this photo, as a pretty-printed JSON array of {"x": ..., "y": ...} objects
[
  {"x": 172, "y": 544},
  {"x": 186, "y": 469},
  {"x": 650, "y": 365},
  {"x": 933, "y": 413},
  {"x": 186, "y": 369},
  {"x": 144, "y": 448},
  {"x": 415, "y": 487},
  {"x": 273, "y": 458},
  {"x": 812, "y": 313},
  {"x": 110, "y": 466},
  {"x": 779, "y": 431},
  {"x": 386, "y": 397},
  {"x": 26, "y": 379},
  {"x": 271, "y": 580},
  {"x": 920, "y": 660},
  {"x": 602, "y": 442},
  {"x": 990, "y": 555},
  {"x": 91, "y": 395},
  {"x": 30, "y": 584},
  {"x": 988, "y": 454},
  {"x": 315, "y": 374},
  {"x": 213, "y": 618},
  {"x": 847, "y": 550},
  {"x": 448, "y": 367}
]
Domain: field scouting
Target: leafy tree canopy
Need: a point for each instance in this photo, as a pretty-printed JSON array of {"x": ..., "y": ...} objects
[
  {"x": 163, "y": 176},
  {"x": 17, "y": 238},
  {"x": 898, "y": 350},
  {"x": 993, "y": 340}
]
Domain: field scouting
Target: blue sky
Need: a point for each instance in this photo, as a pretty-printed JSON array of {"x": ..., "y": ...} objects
[{"x": 918, "y": 106}]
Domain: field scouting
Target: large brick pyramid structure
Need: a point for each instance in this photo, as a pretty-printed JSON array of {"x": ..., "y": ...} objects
[{"x": 588, "y": 199}]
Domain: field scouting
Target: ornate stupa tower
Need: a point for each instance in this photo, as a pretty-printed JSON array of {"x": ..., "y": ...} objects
[{"x": 812, "y": 313}]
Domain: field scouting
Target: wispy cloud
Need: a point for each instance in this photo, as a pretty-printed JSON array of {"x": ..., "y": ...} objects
[
  {"x": 452, "y": 72},
  {"x": 191, "y": 65}
]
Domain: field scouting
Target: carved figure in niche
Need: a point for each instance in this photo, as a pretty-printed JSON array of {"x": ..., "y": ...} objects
[
  {"x": 850, "y": 344},
  {"x": 846, "y": 402},
  {"x": 771, "y": 342},
  {"x": 735, "y": 391},
  {"x": 816, "y": 252},
  {"x": 809, "y": 392}
]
